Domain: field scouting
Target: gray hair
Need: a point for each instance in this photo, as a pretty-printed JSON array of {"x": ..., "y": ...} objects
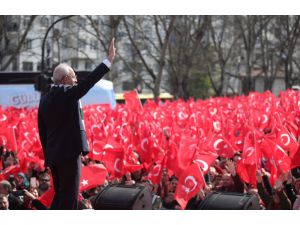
[
  {"x": 60, "y": 72},
  {"x": 6, "y": 185}
]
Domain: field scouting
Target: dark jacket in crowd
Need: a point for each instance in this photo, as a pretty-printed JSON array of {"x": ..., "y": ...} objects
[{"x": 284, "y": 203}]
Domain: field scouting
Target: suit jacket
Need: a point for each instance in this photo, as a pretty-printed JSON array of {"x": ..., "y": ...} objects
[{"x": 58, "y": 119}]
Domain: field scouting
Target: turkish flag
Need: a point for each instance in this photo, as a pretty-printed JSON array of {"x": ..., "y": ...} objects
[
  {"x": 97, "y": 150},
  {"x": 205, "y": 160},
  {"x": 221, "y": 146},
  {"x": 113, "y": 161},
  {"x": 11, "y": 170},
  {"x": 132, "y": 167},
  {"x": 251, "y": 154},
  {"x": 278, "y": 161},
  {"x": 155, "y": 173},
  {"x": 287, "y": 142},
  {"x": 132, "y": 100},
  {"x": 296, "y": 160},
  {"x": 92, "y": 176},
  {"x": 189, "y": 184},
  {"x": 186, "y": 151},
  {"x": 7, "y": 137},
  {"x": 47, "y": 197},
  {"x": 247, "y": 172}
]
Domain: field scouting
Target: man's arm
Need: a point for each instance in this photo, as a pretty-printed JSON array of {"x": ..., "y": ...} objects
[
  {"x": 265, "y": 197},
  {"x": 76, "y": 92}
]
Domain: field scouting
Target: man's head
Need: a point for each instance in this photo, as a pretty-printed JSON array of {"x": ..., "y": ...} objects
[
  {"x": 227, "y": 180},
  {"x": 4, "y": 204},
  {"x": 64, "y": 74},
  {"x": 173, "y": 184},
  {"x": 5, "y": 187},
  {"x": 44, "y": 182}
]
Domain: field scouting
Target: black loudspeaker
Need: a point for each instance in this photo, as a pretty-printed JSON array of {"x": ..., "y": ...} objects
[
  {"x": 229, "y": 201},
  {"x": 123, "y": 197}
]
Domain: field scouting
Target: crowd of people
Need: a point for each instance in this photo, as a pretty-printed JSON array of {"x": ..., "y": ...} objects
[
  {"x": 180, "y": 150},
  {"x": 23, "y": 191}
]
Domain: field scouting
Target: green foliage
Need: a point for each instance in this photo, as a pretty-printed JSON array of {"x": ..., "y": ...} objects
[{"x": 199, "y": 85}]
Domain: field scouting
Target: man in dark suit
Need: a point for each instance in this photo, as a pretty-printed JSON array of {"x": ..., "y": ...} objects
[{"x": 62, "y": 131}]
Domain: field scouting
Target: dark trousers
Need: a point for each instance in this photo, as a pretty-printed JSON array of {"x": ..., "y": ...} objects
[{"x": 66, "y": 180}]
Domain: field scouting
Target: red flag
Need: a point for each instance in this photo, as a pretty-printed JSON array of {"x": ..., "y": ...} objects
[
  {"x": 11, "y": 170},
  {"x": 205, "y": 160},
  {"x": 132, "y": 168},
  {"x": 247, "y": 172},
  {"x": 92, "y": 176},
  {"x": 113, "y": 157},
  {"x": 132, "y": 100},
  {"x": 296, "y": 160},
  {"x": 189, "y": 184},
  {"x": 251, "y": 154},
  {"x": 221, "y": 146},
  {"x": 97, "y": 150},
  {"x": 185, "y": 153},
  {"x": 47, "y": 197},
  {"x": 278, "y": 162},
  {"x": 287, "y": 142},
  {"x": 7, "y": 137},
  {"x": 155, "y": 173}
]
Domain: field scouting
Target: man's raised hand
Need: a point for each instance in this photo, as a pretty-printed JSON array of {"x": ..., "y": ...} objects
[{"x": 112, "y": 50}]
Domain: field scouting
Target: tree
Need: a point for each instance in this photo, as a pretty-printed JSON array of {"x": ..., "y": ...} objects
[
  {"x": 185, "y": 48},
  {"x": 151, "y": 52},
  {"x": 288, "y": 36},
  {"x": 268, "y": 56},
  {"x": 251, "y": 28},
  {"x": 224, "y": 39},
  {"x": 10, "y": 49}
]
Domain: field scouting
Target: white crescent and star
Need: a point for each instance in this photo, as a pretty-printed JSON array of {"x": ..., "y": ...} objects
[
  {"x": 84, "y": 182},
  {"x": 24, "y": 142},
  {"x": 287, "y": 141},
  {"x": 212, "y": 111},
  {"x": 107, "y": 146},
  {"x": 195, "y": 183},
  {"x": 249, "y": 151},
  {"x": 280, "y": 149},
  {"x": 95, "y": 152},
  {"x": 4, "y": 117},
  {"x": 203, "y": 164},
  {"x": 216, "y": 143},
  {"x": 116, "y": 165},
  {"x": 182, "y": 116},
  {"x": 143, "y": 142},
  {"x": 265, "y": 120},
  {"x": 156, "y": 168},
  {"x": 98, "y": 108},
  {"x": 217, "y": 125}
]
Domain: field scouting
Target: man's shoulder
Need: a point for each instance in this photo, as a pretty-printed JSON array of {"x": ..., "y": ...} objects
[{"x": 59, "y": 88}]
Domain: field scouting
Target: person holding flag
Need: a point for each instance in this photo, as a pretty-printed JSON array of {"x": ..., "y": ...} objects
[{"x": 62, "y": 131}]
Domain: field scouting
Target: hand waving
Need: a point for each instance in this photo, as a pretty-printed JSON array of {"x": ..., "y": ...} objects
[{"x": 112, "y": 50}]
